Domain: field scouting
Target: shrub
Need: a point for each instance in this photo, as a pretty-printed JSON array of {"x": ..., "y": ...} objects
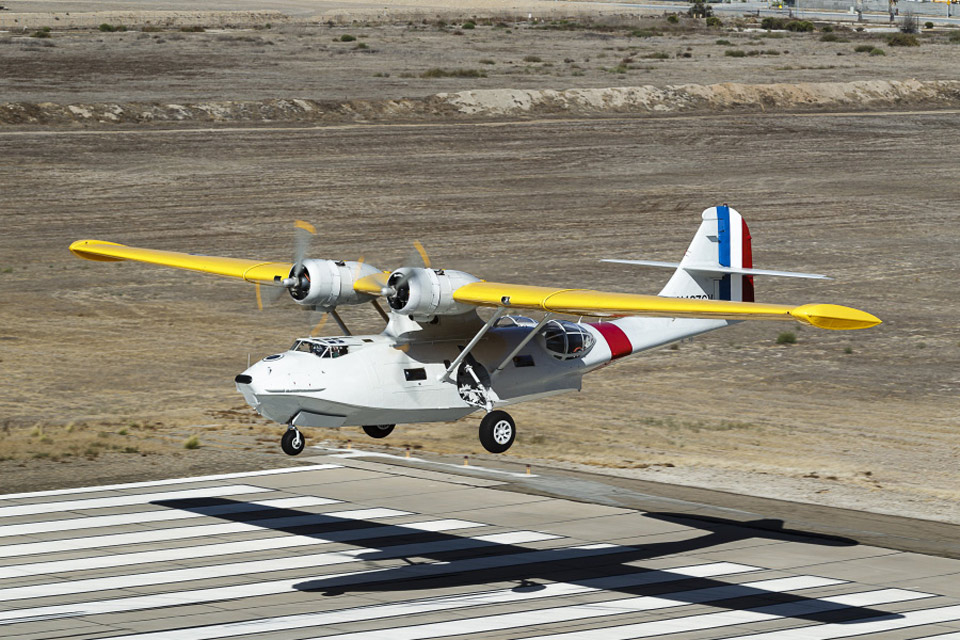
[
  {"x": 877, "y": 51},
  {"x": 657, "y": 55},
  {"x": 955, "y": 37},
  {"x": 909, "y": 24},
  {"x": 193, "y": 442},
  {"x": 487, "y": 61},
  {"x": 468, "y": 25},
  {"x": 787, "y": 337},
  {"x": 644, "y": 33},
  {"x": 800, "y": 26},
  {"x": 672, "y": 19},
  {"x": 361, "y": 45},
  {"x": 903, "y": 40},
  {"x": 724, "y": 43},
  {"x": 735, "y": 53},
  {"x": 41, "y": 33},
  {"x": 193, "y": 29},
  {"x": 109, "y": 28},
  {"x": 770, "y": 23},
  {"x": 700, "y": 9},
  {"x": 347, "y": 38},
  {"x": 827, "y": 28},
  {"x": 863, "y": 48},
  {"x": 532, "y": 59},
  {"x": 928, "y": 25},
  {"x": 714, "y": 21},
  {"x": 437, "y": 72},
  {"x": 829, "y": 37}
]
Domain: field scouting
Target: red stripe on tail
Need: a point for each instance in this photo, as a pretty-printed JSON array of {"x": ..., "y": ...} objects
[
  {"x": 747, "y": 263},
  {"x": 616, "y": 339}
]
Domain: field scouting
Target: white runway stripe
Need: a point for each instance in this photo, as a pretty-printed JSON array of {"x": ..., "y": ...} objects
[
  {"x": 219, "y": 549},
  {"x": 945, "y": 636},
  {"x": 199, "y": 596},
  {"x": 160, "y": 514},
  {"x": 182, "y": 533},
  {"x": 73, "y": 587},
  {"x": 162, "y": 483},
  {"x": 443, "y": 603},
  {"x": 570, "y": 613},
  {"x": 832, "y": 631},
  {"x": 760, "y": 614},
  {"x": 127, "y": 500}
]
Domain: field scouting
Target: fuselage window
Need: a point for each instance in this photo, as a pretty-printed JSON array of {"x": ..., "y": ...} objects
[
  {"x": 523, "y": 361},
  {"x": 566, "y": 340},
  {"x": 411, "y": 375}
]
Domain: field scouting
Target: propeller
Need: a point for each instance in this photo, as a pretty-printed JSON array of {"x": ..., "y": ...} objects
[
  {"x": 299, "y": 282},
  {"x": 416, "y": 259}
]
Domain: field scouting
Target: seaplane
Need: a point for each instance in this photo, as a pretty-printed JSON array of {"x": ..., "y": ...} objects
[{"x": 438, "y": 359}]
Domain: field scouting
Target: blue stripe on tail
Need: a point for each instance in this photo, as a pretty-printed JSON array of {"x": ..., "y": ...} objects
[{"x": 723, "y": 233}]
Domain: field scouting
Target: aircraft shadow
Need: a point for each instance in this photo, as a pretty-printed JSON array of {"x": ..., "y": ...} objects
[{"x": 465, "y": 562}]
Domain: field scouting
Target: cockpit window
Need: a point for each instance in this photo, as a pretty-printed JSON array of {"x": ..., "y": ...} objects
[
  {"x": 566, "y": 340},
  {"x": 516, "y": 321},
  {"x": 322, "y": 348}
]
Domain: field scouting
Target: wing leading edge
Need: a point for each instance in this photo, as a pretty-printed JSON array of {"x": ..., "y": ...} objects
[
  {"x": 250, "y": 270},
  {"x": 587, "y": 302}
]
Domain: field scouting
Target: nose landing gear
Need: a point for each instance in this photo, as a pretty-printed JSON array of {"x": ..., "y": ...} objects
[
  {"x": 497, "y": 431},
  {"x": 292, "y": 441}
]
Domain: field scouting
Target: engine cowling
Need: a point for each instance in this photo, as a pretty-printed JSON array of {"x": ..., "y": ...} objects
[
  {"x": 326, "y": 284},
  {"x": 425, "y": 293}
]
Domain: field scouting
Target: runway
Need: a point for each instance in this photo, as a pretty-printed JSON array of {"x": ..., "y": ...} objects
[{"x": 354, "y": 547}]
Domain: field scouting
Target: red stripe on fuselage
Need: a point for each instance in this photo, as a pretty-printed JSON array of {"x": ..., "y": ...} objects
[{"x": 616, "y": 339}]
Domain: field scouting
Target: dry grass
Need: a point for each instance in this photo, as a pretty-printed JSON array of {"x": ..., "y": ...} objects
[{"x": 78, "y": 440}]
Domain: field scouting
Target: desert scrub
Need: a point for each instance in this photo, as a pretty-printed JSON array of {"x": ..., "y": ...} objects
[
  {"x": 346, "y": 38},
  {"x": 193, "y": 29},
  {"x": 714, "y": 21},
  {"x": 903, "y": 40},
  {"x": 532, "y": 59},
  {"x": 863, "y": 48},
  {"x": 735, "y": 53},
  {"x": 877, "y": 51},
  {"x": 723, "y": 42},
  {"x": 111, "y": 28},
  {"x": 437, "y": 72},
  {"x": 787, "y": 337},
  {"x": 468, "y": 25},
  {"x": 193, "y": 442},
  {"x": 800, "y": 26},
  {"x": 487, "y": 61}
]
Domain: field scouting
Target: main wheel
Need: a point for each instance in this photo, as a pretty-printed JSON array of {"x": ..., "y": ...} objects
[
  {"x": 292, "y": 442},
  {"x": 378, "y": 430},
  {"x": 497, "y": 431}
]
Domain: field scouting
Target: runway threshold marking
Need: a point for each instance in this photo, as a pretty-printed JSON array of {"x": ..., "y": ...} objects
[
  {"x": 579, "y": 612},
  {"x": 359, "y": 453},
  {"x": 160, "y": 515},
  {"x": 199, "y": 596},
  {"x": 161, "y": 483},
  {"x": 183, "y": 533},
  {"x": 219, "y": 549},
  {"x": 444, "y": 603},
  {"x": 41, "y": 508},
  {"x": 303, "y": 562},
  {"x": 834, "y": 631}
]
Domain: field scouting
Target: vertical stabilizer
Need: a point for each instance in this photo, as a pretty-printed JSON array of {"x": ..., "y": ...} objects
[{"x": 722, "y": 241}]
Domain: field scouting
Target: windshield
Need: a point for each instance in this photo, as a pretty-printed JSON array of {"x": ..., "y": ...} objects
[{"x": 321, "y": 348}]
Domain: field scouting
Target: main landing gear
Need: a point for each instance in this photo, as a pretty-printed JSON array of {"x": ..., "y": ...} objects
[
  {"x": 292, "y": 441},
  {"x": 497, "y": 431},
  {"x": 378, "y": 430}
]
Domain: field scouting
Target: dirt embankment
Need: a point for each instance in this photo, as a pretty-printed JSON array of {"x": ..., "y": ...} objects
[{"x": 687, "y": 98}]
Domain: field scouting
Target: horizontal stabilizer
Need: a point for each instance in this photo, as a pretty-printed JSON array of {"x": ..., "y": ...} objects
[{"x": 706, "y": 268}]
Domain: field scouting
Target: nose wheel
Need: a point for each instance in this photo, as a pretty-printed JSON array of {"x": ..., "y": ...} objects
[
  {"x": 292, "y": 441},
  {"x": 497, "y": 431}
]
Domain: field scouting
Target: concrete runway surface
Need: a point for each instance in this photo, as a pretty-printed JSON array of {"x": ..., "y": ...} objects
[{"x": 352, "y": 546}]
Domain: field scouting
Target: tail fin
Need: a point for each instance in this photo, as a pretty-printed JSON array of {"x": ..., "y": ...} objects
[
  {"x": 722, "y": 241},
  {"x": 718, "y": 264}
]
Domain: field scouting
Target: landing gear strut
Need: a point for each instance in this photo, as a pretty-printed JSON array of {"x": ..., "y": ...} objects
[
  {"x": 292, "y": 441},
  {"x": 497, "y": 431}
]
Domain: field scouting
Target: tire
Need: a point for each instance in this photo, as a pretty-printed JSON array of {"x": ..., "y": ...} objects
[
  {"x": 497, "y": 431},
  {"x": 378, "y": 430},
  {"x": 292, "y": 442}
]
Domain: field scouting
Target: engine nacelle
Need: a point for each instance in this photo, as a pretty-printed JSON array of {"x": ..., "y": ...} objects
[
  {"x": 326, "y": 284},
  {"x": 425, "y": 293}
]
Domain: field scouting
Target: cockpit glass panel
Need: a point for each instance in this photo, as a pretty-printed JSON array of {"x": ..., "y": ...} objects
[{"x": 566, "y": 340}]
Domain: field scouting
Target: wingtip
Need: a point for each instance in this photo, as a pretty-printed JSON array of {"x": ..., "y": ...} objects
[
  {"x": 84, "y": 249},
  {"x": 835, "y": 317}
]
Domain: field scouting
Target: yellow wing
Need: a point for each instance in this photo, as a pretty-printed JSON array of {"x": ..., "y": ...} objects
[
  {"x": 586, "y": 302},
  {"x": 249, "y": 270}
]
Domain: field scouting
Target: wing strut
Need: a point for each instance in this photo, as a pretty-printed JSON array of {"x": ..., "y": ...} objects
[
  {"x": 340, "y": 322},
  {"x": 463, "y": 354},
  {"x": 526, "y": 340}
]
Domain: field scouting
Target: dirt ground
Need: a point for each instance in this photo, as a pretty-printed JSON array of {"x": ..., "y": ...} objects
[{"x": 864, "y": 419}]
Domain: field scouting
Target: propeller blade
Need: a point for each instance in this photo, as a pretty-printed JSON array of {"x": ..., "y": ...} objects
[
  {"x": 318, "y": 326},
  {"x": 302, "y": 234},
  {"x": 423, "y": 254}
]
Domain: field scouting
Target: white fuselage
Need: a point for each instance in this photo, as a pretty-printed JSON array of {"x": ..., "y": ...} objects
[{"x": 390, "y": 379}]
